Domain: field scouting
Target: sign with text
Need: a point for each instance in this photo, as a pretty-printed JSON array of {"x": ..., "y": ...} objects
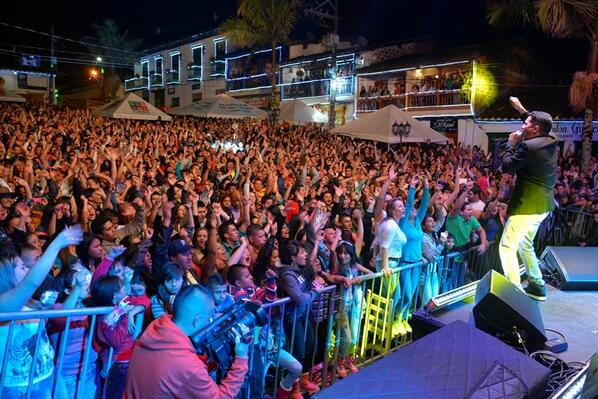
[
  {"x": 563, "y": 130},
  {"x": 444, "y": 124}
]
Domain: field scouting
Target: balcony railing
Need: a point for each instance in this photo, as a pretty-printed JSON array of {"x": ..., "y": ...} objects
[
  {"x": 251, "y": 82},
  {"x": 343, "y": 86},
  {"x": 136, "y": 84},
  {"x": 217, "y": 67},
  {"x": 173, "y": 78},
  {"x": 194, "y": 72},
  {"x": 316, "y": 88},
  {"x": 436, "y": 98},
  {"x": 156, "y": 80}
]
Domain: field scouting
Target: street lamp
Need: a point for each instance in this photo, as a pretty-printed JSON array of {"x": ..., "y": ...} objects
[{"x": 401, "y": 129}]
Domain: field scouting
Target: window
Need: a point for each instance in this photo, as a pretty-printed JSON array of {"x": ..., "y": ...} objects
[
  {"x": 159, "y": 65},
  {"x": 144, "y": 69},
  {"x": 196, "y": 86},
  {"x": 196, "y": 97},
  {"x": 197, "y": 54},
  {"x": 171, "y": 90},
  {"x": 174, "y": 102},
  {"x": 175, "y": 62},
  {"x": 219, "y": 48}
]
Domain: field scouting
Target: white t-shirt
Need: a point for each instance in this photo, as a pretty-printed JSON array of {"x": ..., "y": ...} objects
[
  {"x": 478, "y": 206},
  {"x": 390, "y": 236}
]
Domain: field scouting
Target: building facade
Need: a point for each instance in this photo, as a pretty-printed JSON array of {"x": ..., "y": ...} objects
[{"x": 182, "y": 72}]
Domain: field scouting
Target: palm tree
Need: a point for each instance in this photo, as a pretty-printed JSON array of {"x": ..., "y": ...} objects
[
  {"x": 263, "y": 23},
  {"x": 114, "y": 46},
  {"x": 114, "y": 49},
  {"x": 562, "y": 19}
]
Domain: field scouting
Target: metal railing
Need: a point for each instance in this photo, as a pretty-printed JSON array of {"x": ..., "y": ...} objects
[
  {"x": 136, "y": 83},
  {"x": 173, "y": 77},
  {"x": 194, "y": 72},
  {"x": 156, "y": 80},
  {"x": 40, "y": 318},
  {"x": 356, "y": 324},
  {"x": 436, "y": 98}
]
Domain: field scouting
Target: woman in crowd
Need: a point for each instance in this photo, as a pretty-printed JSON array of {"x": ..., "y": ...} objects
[
  {"x": 17, "y": 285},
  {"x": 410, "y": 224}
]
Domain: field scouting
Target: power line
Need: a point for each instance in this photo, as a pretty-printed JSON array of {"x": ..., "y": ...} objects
[
  {"x": 66, "y": 60},
  {"x": 60, "y": 51},
  {"x": 65, "y": 38}
]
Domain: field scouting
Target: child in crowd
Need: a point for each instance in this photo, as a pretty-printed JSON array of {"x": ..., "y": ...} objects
[
  {"x": 244, "y": 289},
  {"x": 170, "y": 281},
  {"x": 116, "y": 331},
  {"x": 73, "y": 295},
  {"x": 222, "y": 299}
]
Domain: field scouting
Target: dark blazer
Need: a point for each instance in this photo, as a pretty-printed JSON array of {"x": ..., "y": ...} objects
[{"x": 534, "y": 161}]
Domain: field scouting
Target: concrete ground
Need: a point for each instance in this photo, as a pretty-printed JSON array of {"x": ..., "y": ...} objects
[{"x": 573, "y": 313}]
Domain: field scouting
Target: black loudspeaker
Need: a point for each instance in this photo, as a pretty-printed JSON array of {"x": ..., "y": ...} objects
[
  {"x": 423, "y": 324},
  {"x": 501, "y": 309},
  {"x": 577, "y": 267}
]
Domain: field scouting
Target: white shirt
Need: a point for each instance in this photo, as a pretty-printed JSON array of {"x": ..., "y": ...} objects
[{"x": 390, "y": 236}]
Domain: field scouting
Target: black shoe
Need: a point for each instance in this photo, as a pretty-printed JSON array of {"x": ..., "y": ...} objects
[{"x": 537, "y": 292}]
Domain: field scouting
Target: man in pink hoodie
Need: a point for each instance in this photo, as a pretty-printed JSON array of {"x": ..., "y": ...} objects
[{"x": 165, "y": 363}]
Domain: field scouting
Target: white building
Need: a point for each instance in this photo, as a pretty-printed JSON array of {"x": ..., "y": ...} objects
[{"x": 181, "y": 72}]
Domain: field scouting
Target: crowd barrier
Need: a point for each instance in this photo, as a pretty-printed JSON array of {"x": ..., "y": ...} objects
[
  {"x": 38, "y": 319},
  {"x": 342, "y": 324}
]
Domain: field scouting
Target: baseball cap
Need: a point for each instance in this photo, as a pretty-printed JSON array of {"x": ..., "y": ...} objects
[{"x": 178, "y": 247}]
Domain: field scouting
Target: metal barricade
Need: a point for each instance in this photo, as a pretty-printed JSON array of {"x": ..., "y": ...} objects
[
  {"x": 10, "y": 320},
  {"x": 342, "y": 324}
]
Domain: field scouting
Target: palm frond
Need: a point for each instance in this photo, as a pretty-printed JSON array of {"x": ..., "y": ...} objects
[
  {"x": 262, "y": 22},
  {"x": 566, "y": 18},
  {"x": 506, "y": 13},
  {"x": 582, "y": 90},
  {"x": 240, "y": 32}
]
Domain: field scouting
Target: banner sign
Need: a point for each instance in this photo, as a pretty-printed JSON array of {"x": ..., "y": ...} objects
[
  {"x": 563, "y": 130},
  {"x": 444, "y": 124}
]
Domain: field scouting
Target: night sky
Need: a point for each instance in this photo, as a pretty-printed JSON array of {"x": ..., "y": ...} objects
[{"x": 380, "y": 21}]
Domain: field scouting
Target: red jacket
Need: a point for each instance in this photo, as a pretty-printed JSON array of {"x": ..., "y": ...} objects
[{"x": 165, "y": 365}]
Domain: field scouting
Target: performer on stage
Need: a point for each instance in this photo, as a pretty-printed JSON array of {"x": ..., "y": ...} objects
[{"x": 532, "y": 154}]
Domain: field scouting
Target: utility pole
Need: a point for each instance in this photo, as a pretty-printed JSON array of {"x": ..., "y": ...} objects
[
  {"x": 323, "y": 13},
  {"x": 52, "y": 83}
]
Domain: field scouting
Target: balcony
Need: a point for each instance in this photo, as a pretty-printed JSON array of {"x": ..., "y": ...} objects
[
  {"x": 217, "y": 67},
  {"x": 194, "y": 72},
  {"x": 137, "y": 83},
  {"x": 426, "y": 101},
  {"x": 343, "y": 86},
  {"x": 156, "y": 80},
  {"x": 173, "y": 78},
  {"x": 261, "y": 81}
]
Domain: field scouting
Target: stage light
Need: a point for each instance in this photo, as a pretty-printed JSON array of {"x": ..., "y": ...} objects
[{"x": 482, "y": 84}]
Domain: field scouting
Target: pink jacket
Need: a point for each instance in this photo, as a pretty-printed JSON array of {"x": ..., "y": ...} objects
[{"x": 165, "y": 365}]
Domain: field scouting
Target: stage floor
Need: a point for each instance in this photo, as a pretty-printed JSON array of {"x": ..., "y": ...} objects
[{"x": 572, "y": 313}]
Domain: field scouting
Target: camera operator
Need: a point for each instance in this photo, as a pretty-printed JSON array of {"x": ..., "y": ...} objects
[{"x": 165, "y": 363}]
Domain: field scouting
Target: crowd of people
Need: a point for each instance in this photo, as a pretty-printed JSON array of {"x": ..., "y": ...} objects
[{"x": 151, "y": 218}]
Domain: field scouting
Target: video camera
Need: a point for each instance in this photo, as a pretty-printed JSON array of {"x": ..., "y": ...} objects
[{"x": 218, "y": 339}]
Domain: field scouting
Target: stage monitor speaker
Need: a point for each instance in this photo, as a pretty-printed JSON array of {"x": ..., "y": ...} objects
[
  {"x": 577, "y": 267},
  {"x": 500, "y": 307}
]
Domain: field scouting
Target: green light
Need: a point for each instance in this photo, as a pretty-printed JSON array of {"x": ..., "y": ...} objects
[{"x": 102, "y": 71}]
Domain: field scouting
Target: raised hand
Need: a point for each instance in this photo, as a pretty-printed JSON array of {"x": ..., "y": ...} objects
[
  {"x": 115, "y": 252},
  {"x": 392, "y": 173},
  {"x": 69, "y": 236},
  {"x": 81, "y": 278}
]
